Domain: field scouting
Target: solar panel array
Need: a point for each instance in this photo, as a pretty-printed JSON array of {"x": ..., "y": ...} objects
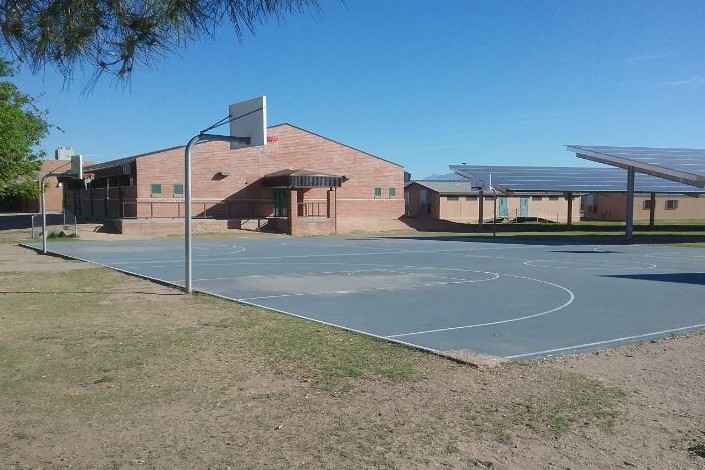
[
  {"x": 677, "y": 164},
  {"x": 523, "y": 179},
  {"x": 448, "y": 187}
]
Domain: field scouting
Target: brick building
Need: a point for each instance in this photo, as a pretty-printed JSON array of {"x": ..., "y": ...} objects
[
  {"x": 459, "y": 201},
  {"x": 53, "y": 191},
  {"x": 300, "y": 183},
  {"x": 647, "y": 207}
]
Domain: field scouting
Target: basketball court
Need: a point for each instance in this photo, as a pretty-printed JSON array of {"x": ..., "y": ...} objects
[{"x": 513, "y": 300}]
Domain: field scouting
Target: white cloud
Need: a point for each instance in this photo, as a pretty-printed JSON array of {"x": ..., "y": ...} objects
[{"x": 691, "y": 82}]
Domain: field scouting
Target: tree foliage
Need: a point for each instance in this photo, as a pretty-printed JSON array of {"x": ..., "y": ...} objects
[
  {"x": 112, "y": 35},
  {"x": 22, "y": 126}
]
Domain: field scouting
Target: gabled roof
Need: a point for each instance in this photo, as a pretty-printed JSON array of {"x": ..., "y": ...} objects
[
  {"x": 336, "y": 142},
  {"x": 126, "y": 160}
]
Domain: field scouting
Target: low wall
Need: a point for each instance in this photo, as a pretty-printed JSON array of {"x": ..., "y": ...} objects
[
  {"x": 177, "y": 226},
  {"x": 310, "y": 226}
]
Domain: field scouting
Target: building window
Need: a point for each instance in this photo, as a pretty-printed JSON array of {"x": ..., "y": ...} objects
[
  {"x": 178, "y": 190},
  {"x": 453, "y": 198},
  {"x": 536, "y": 198},
  {"x": 470, "y": 198},
  {"x": 671, "y": 204},
  {"x": 392, "y": 193},
  {"x": 552, "y": 198},
  {"x": 378, "y": 193},
  {"x": 646, "y": 205},
  {"x": 155, "y": 189}
]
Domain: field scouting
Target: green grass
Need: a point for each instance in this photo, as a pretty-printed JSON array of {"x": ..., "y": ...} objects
[
  {"x": 327, "y": 356},
  {"x": 698, "y": 450},
  {"x": 684, "y": 233},
  {"x": 96, "y": 346}
]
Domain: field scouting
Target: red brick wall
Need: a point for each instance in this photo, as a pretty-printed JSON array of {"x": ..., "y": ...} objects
[{"x": 294, "y": 149}]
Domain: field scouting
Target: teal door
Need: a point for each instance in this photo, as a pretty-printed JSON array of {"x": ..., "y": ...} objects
[
  {"x": 281, "y": 202},
  {"x": 502, "y": 206},
  {"x": 524, "y": 207}
]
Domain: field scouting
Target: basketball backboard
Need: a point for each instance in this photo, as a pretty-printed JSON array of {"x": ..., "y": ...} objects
[
  {"x": 77, "y": 166},
  {"x": 249, "y": 119}
]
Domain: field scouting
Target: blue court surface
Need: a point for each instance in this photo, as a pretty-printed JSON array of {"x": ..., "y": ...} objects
[{"x": 514, "y": 300}]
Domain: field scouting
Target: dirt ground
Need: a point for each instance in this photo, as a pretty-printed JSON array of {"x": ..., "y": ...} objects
[{"x": 452, "y": 415}]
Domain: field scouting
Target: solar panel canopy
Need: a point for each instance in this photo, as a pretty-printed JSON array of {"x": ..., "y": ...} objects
[
  {"x": 448, "y": 187},
  {"x": 525, "y": 179},
  {"x": 681, "y": 165}
]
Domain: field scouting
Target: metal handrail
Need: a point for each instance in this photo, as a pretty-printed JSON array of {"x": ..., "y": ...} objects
[
  {"x": 313, "y": 209},
  {"x": 64, "y": 213}
]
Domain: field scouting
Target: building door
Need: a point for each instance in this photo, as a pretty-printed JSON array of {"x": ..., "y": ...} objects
[
  {"x": 502, "y": 206},
  {"x": 524, "y": 207},
  {"x": 423, "y": 202},
  {"x": 281, "y": 205}
]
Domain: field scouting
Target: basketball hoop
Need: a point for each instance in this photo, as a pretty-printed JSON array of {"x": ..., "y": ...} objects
[
  {"x": 272, "y": 144},
  {"x": 87, "y": 178}
]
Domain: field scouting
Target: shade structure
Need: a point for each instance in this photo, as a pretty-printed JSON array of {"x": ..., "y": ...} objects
[
  {"x": 561, "y": 180},
  {"x": 681, "y": 165}
]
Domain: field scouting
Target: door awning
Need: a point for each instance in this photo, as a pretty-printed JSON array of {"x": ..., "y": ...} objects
[{"x": 301, "y": 179}]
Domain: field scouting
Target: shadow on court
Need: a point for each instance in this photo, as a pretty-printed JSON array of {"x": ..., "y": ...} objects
[{"x": 681, "y": 278}]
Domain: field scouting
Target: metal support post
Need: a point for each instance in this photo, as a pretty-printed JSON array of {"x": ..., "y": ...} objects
[
  {"x": 188, "y": 281},
  {"x": 44, "y": 215},
  {"x": 630, "y": 204},
  {"x": 494, "y": 202}
]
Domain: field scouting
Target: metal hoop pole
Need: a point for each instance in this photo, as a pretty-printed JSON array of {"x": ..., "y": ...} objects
[
  {"x": 188, "y": 281},
  {"x": 187, "y": 216},
  {"x": 44, "y": 215}
]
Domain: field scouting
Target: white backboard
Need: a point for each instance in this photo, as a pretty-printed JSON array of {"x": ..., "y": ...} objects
[
  {"x": 249, "y": 119},
  {"x": 77, "y": 166}
]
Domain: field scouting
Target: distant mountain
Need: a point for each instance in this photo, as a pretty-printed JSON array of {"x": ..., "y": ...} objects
[{"x": 446, "y": 177}]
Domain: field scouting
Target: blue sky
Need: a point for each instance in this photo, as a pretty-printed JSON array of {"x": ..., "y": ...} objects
[{"x": 425, "y": 84}]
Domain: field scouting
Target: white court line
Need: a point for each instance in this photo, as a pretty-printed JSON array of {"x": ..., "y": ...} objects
[
  {"x": 499, "y": 322},
  {"x": 673, "y": 255},
  {"x": 496, "y": 257},
  {"x": 317, "y": 273},
  {"x": 320, "y": 255},
  {"x": 609, "y": 341},
  {"x": 372, "y": 289},
  {"x": 556, "y": 264}
]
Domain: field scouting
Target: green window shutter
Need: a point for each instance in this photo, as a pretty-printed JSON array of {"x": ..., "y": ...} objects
[
  {"x": 155, "y": 188},
  {"x": 378, "y": 192},
  {"x": 392, "y": 193},
  {"x": 178, "y": 189}
]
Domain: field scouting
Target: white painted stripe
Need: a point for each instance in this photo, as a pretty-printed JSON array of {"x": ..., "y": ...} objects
[
  {"x": 321, "y": 255},
  {"x": 499, "y": 322},
  {"x": 372, "y": 289},
  {"x": 608, "y": 341},
  {"x": 592, "y": 264}
]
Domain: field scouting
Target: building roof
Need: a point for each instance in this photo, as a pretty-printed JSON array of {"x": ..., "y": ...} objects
[
  {"x": 453, "y": 188},
  {"x": 681, "y": 165},
  {"x": 128, "y": 160},
  {"x": 519, "y": 179}
]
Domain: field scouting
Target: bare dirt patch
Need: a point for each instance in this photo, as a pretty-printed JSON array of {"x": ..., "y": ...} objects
[{"x": 104, "y": 370}]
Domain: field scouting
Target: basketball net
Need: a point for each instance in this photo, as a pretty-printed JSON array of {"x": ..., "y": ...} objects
[
  {"x": 272, "y": 144},
  {"x": 87, "y": 178}
]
